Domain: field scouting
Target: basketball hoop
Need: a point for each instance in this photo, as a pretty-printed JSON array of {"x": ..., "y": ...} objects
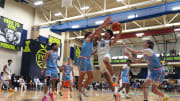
[{"x": 66, "y": 3}]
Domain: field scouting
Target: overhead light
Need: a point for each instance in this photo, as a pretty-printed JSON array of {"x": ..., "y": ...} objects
[
  {"x": 80, "y": 37},
  {"x": 177, "y": 29},
  {"x": 119, "y": 41},
  {"x": 99, "y": 22},
  {"x": 84, "y": 8},
  {"x": 75, "y": 26},
  {"x": 38, "y": 3},
  {"x": 175, "y": 8},
  {"x": 145, "y": 38},
  {"x": 132, "y": 16},
  {"x": 58, "y": 14},
  {"x": 139, "y": 34}
]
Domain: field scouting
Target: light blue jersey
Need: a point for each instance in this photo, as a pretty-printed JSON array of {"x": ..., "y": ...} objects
[
  {"x": 52, "y": 60},
  {"x": 153, "y": 61},
  {"x": 124, "y": 75},
  {"x": 68, "y": 69},
  {"x": 87, "y": 49},
  {"x": 125, "y": 72},
  {"x": 157, "y": 71}
]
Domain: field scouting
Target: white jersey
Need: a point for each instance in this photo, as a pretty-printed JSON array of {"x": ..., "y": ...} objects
[
  {"x": 8, "y": 70},
  {"x": 5, "y": 75},
  {"x": 103, "y": 47}
]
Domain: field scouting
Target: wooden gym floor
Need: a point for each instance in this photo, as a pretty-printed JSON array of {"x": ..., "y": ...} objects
[{"x": 94, "y": 96}]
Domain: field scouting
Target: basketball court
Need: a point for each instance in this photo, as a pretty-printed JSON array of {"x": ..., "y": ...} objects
[{"x": 86, "y": 50}]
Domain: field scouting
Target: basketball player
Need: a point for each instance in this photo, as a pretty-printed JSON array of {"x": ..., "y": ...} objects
[
  {"x": 7, "y": 75},
  {"x": 85, "y": 66},
  {"x": 50, "y": 60},
  {"x": 67, "y": 69},
  {"x": 104, "y": 57},
  {"x": 157, "y": 71},
  {"x": 124, "y": 76}
]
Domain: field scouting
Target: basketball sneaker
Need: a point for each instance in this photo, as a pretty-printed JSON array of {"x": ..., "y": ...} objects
[
  {"x": 54, "y": 92},
  {"x": 166, "y": 98},
  {"x": 11, "y": 90},
  {"x": 44, "y": 98},
  {"x": 80, "y": 97},
  {"x": 83, "y": 92},
  {"x": 60, "y": 94},
  {"x": 52, "y": 96}
]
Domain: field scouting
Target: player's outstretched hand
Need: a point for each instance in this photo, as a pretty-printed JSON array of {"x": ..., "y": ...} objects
[{"x": 108, "y": 21}]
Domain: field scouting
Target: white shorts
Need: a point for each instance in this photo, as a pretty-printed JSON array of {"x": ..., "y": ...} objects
[
  {"x": 101, "y": 62},
  {"x": 6, "y": 77}
]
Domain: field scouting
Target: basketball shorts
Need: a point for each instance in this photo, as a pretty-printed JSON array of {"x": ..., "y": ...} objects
[
  {"x": 157, "y": 75},
  {"x": 66, "y": 78},
  {"x": 85, "y": 65},
  {"x": 101, "y": 62},
  {"x": 6, "y": 77},
  {"x": 52, "y": 72}
]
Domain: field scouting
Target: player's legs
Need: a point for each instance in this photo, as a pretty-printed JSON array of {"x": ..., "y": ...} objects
[
  {"x": 127, "y": 88},
  {"x": 108, "y": 78},
  {"x": 64, "y": 78},
  {"x": 90, "y": 78},
  {"x": 123, "y": 86},
  {"x": 145, "y": 88},
  {"x": 156, "y": 91},
  {"x": 108, "y": 65},
  {"x": 70, "y": 83},
  {"x": 54, "y": 85},
  {"x": 46, "y": 85},
  {"x": 62, "y": 85},
  {"x": 81, "y": 77},
  {"x": 1, "y": 84}
]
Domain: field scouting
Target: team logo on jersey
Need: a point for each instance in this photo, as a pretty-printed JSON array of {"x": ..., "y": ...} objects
[{"x": 40, "y": 55}]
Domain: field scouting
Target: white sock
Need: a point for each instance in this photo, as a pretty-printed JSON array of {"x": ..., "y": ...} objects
[
  {"x": 51, "y": 91},
  {"x": 45, "y": 94}
]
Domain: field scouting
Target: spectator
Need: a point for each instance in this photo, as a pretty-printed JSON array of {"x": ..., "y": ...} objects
[
  {"x": 37, "y": 82},
  {"x": 22, "y": 83}
]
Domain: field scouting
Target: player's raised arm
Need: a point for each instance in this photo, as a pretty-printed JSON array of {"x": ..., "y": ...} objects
[
  {"x": 106, "y": 23},
  {"x": 132, "y": 58},
  {"x": 132, "y": 50}
]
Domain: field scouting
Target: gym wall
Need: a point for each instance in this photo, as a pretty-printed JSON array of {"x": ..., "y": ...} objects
[{"x": 23, "y": 14}]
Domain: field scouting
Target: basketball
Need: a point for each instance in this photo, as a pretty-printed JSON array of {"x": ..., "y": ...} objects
[{"x": 116, "y": 26}]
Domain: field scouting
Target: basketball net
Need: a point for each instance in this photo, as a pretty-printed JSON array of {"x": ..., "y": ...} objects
[{"x": 66, "y": 3}]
